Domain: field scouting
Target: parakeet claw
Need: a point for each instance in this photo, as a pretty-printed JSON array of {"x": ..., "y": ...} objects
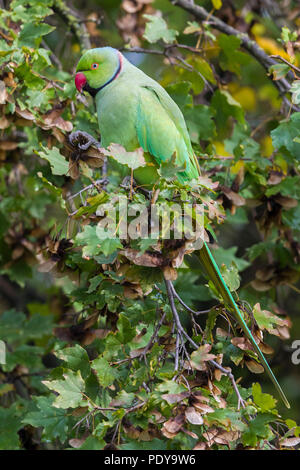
[
  {"x": 83, "y": 140},
  {"x": 128, "y": 182}
]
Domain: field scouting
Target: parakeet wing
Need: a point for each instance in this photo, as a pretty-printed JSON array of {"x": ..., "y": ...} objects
[{"x": 162, "y": 131}]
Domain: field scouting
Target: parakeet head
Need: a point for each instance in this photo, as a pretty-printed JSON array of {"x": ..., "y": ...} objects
[{"x": 97, "y": 68}]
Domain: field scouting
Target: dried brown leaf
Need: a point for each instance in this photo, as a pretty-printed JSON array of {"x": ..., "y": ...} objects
[
  {"x": 7, "y": 145},
  {"x": 170, "y": 274},
  {"x": 4, "y": 122},
  {"x": 173, "y": 425},
  {"x": 254, "y": 367},
  {"x": 172, "y": 398},
  {"x": 291, "y": 442},
  {"x": 193, "y": 416},
  {"x": 242, "y": 343},
  {"x": 3, "y": 93},
  {"x": 152, "y": 260}
]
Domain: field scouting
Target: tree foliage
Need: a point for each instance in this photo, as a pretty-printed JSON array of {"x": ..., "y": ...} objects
[{"x": 95, "y": 354}]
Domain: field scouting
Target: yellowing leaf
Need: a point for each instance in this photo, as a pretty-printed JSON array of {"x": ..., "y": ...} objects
[
  {"x": 199, "y": 357},
  {"x": 271, "y": 47},
  {"x": 133, "y": 160},
  {"x": 265, "y": 401},
  {"x": 217, "y": 4}
]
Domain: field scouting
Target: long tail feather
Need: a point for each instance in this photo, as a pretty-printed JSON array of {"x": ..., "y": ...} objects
[{"x": 214, "y": 274}]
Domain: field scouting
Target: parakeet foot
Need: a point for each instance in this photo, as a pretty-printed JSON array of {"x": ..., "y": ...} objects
[
  {"x": 128, "y": 182},
  {"x": 83, "y": 140}
]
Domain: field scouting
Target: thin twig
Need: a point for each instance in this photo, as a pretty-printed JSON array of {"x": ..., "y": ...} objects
[
  {"x": 166, "y": 52},
  {"x": 53, "y": 57},
  {"x": 101, "y": 181},
  {"x": 251, "y": 46},
  {"x": 182, "y": 332},
  {"x": 286, "y": 62},
  {"x": 194, "y": 312},
  {"x": 155, "y": 334}
]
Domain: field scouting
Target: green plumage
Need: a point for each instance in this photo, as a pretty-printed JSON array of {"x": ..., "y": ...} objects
[
  {"x": 135, "y": 111},
  {"x": 128, "y": 110}
]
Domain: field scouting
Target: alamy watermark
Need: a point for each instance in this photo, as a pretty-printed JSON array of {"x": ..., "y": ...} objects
[
  {"x": 158, "y": 221},
  {"x": 295, "y": 358},
  {"x": 2, "y": 352}
]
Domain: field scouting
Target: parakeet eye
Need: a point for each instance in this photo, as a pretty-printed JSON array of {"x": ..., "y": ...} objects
[{"x": 94, "y": 66}]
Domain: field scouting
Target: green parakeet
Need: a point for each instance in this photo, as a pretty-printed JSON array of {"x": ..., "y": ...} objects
[{"x": 135, "y": 111}]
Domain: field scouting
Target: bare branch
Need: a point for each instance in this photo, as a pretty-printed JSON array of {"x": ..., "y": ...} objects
[
  {"x": 167, "y": 52},
  {"x": 251, "y": 46},
  {"x": 194, "y": 312},
  {"x": 181, "y": 331},
  {"x": 77, "y": 27}
]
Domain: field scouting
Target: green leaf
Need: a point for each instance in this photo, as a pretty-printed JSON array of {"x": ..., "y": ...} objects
[
  {"x": 110, "y": 245},
  {"x": 93, "y": 204},
  {"x": 265, "y": 401},
  {"x": 93, "y": 443},
  {"x": 180, "y": 93},
  {"x": 31, "y": 34},
  {"x": 19, "y": 272},
  {"x": 125, "y": 332},
  {"x": 295, "y": 90},
  {"x": 157, "y": 28},
  {"x": 76, "y": 358},
  {"x": 10, "y": 423},
  {"x": 199, "y": 119},
  {"x": 169, "y": 170},
  {"x": 289, "y": 186},
  {"x": 242, "y": 145},
  {"x": 170, "y": 386},
  {"x": 258, "y": 249},
  {"x": 39, "y": 99},
  {"x": 279, "y": 70},
  {"x": 283, "y": 136},
  {"x": 226, "y": 417},
  {"x": 287, "y": 35},
  {"x": 231, "y": 58},
  {"x": 226, "y": 107},
  {"x": 258, "y": 428},
  {"x": 15, "y": 326},
  {"x": 105, "y": 373},
  {"x": 265, "y": 319},
  {"x": 59, "y": 165},
  {"x": 203, "y": 67},
  {"x": 70, "y": 390},
  {"x": 231, "y": 276},
  {"x": 228, "y": 256},
  {"x": 90, "y": 240},
  {"x": 55, "y": 422},
  {"x": 95, "y": 282},
  {"x": 26, "y": 355},
  {"x": 155, "y": 444},
  {"x": 210, "y": 324}
]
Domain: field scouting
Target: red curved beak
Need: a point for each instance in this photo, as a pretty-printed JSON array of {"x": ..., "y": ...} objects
[{"x": 80, "y": 81}]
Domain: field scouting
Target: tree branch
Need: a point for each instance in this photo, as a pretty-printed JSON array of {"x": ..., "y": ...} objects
[
  {"x": 181, "y": 332},
  {"x": 77, "y": 27},
  {"x": 167, "y": 52},
  {"x": 251, "y": 46}
]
